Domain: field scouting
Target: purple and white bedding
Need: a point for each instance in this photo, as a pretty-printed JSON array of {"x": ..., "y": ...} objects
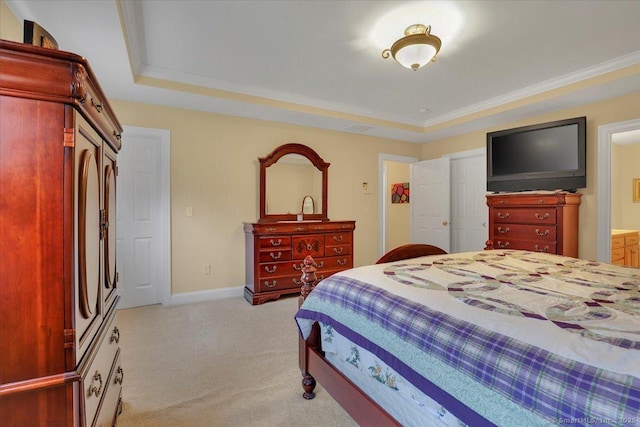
[{"x": 497, "y": 337}]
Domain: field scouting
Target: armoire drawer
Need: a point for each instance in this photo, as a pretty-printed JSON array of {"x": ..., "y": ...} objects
[
  {"x": 96, "y": 377},
  {"x": 110, "y": 402}
]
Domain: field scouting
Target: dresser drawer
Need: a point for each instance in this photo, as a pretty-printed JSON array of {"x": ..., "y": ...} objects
[
  {"x": 617, "y": 254},
  {"x": 335, "y": 263},
  {"x": 111, "y": 400},
  {"x": 283, "y": 254},
  {"x": 279, "y": 283},
  {"x": 274, "y": 242},
  {"x": 336, "y": 250},
  {"x": 617, "y": 242},
  {"x": 95, "y": 379},
  {"x": 526, "y": 245},
  {"x": 309, "y": 244},
  {"x": 337, "y": 238},
  {"x": 525, "y": 215},
  {"x": 527, "y": 232},
  {"x": 275, "y": 269},
  {"x": 631, "y": 240}
]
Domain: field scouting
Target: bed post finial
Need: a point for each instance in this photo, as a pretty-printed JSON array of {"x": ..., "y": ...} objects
[{"x": 309, "y": 277}]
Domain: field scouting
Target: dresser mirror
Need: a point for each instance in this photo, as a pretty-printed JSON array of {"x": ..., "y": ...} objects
[{"x": 293, "y": 182}]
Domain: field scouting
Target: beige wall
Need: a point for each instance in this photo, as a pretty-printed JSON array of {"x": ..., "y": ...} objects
[
  {"x": 214, "y": 169},
  {"x": 398, "y": 214},
  {"x": 625, "y": 165},
  {"x": 10, "y": 27},
  {"x": 600, "y": 113}
]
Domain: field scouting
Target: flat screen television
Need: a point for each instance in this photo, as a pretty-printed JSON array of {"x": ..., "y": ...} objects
[{"x": 546, "y": 156}]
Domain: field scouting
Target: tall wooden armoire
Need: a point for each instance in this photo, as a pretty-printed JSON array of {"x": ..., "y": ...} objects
[{"x": 59, "y": 352}]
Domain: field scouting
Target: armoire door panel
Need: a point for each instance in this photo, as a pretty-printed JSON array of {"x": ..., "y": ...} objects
[
  {"x": 88, "y": 229},
  {"x": 109, "y": 235}
]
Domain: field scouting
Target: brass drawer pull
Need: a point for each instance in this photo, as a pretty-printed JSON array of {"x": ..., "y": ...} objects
[
  {"x": 274, "y": 256},
  {"x": 338, "y": 250},
  {"x": 503, "y": 245},
  {"x": 319, "y": 265},
  {"x": 541, "y": 234},
  {"x": 271, "y": 229},
  {"x": 274, "y": 243},
  {"x": 115, "y": 335},
  {"x": 297, "y": 267},
  {"x": 270, "y": 285},
  {"x": 297, "y": 282},
  {"x": 503, "y": 231},
  {"x": 342, "y": 261},
  {"x": 542, "y": 217},
  {"x": 271, "y": 270},
  {"x": 119, "y": 377},
  {"x": 503, "y": 216},
  {"x": 93, "y": 389},
  {"x": 117, "y": 135},
  {"x": 337, "y": 238},
  {"x": 545, "y": 249}
]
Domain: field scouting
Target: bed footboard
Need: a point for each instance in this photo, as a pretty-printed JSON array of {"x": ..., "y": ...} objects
[{"x": 314, "y": 366}]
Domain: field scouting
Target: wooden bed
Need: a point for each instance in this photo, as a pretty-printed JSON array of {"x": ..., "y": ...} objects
[
  {"x": 315, "y": 368},
  {"x": 364, "y": 410}
]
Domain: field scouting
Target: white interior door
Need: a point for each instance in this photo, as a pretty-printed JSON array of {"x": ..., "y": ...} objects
[
  {"x": 142, "y": 218},
  {"x": 469, "y": 212},
  {"x": 431, "y": 202}
]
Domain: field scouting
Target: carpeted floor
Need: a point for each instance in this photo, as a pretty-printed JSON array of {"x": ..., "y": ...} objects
[{"x": 217, "y": 363}]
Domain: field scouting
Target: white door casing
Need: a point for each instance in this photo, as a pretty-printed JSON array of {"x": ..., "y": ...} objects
[
  {"x": 431, "y": 202},
  {"x": 383, "y": 194},
  {"x": 605, "y": 133},
  {"x": 143, "y": 218}
]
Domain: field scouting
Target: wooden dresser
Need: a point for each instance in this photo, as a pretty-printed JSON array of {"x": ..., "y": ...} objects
[
  {"x": 60, "y": 357},
  {"x": 275, "y": 251},
  {"x": 541, "y": 222},
  {"x": 624, "y": 248}
]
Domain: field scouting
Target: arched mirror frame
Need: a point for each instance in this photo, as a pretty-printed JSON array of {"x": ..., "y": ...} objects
[{"x": 272, "y": 158}]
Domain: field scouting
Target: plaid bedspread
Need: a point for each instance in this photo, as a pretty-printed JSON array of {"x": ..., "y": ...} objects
[{"x": 483, "y": 367}]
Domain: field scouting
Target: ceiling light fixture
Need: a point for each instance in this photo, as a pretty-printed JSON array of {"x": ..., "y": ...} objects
[{"x": 417, "y": 48}]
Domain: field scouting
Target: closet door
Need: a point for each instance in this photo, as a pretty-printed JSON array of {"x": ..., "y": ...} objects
[
  {"x": 88, "y": 159},
  {"x": 109, "y": 226}
]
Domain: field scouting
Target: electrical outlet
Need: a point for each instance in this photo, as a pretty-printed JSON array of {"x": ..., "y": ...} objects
[{"x": 206, "y": 269}]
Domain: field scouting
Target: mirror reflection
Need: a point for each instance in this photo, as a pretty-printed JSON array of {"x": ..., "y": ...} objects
[{"x": 289, "y": 181}]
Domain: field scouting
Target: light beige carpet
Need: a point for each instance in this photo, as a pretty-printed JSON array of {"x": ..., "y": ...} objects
[{"x": 217, "y": 363}]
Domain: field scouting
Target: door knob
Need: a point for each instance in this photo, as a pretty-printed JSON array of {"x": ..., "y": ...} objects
[{"x": 445, "y": 223}]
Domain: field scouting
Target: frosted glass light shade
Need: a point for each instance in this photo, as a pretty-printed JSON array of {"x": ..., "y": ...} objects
[
  {"x": 417, "y": 48},
  {"x": 415, "y": 56}
]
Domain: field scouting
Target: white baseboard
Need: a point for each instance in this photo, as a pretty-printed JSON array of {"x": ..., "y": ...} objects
[{"x": 200, "y": 296}]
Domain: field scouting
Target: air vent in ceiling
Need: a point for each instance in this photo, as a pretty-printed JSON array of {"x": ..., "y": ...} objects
[{"x": 358, "y": 128}]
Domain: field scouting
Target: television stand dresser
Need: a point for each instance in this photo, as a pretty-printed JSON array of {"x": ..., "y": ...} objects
[
  {"x": 59, "y": 357},
  {"x": 541, "y": 222}
]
